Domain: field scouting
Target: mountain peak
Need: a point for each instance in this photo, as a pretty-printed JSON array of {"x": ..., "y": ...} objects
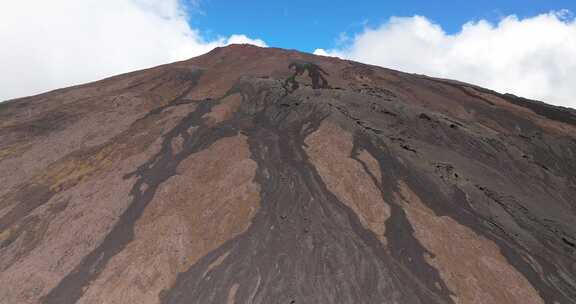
[{"x": 262, "y": 175}]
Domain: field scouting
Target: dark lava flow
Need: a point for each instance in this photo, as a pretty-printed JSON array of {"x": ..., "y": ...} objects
[
  {"x": 304, "y": 245},
  {"x": 150, "y": 176}
]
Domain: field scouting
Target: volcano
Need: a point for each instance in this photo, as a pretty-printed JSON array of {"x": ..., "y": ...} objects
[{"x": 229, "y": 178}]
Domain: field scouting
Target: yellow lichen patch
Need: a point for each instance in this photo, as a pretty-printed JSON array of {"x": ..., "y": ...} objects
[
  {"x": 69, "y": 172},
  {"x": 5, "y": 152},
  {"x": 5, "y": 234},
  {"x": 211, "y": 199},
  {"x": 9, "y": 151}
]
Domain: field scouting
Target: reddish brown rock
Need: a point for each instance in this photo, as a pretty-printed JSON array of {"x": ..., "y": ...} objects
[
  {"x": 330, "y": 150},
  {"x": 472, "y": 266},
  {"x": 211, "y": 200},
  {"x": 210, "y": 181}
]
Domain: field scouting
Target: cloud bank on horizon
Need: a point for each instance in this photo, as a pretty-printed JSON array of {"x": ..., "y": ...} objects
[
  {"x": 532, "y": 57},
  {"x": 52, "y": 44}
]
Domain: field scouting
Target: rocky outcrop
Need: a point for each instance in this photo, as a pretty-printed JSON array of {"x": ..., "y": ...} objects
[{"x": 210, "y": 181}]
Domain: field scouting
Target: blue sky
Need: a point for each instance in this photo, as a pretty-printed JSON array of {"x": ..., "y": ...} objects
[{"x": 307, "y": 25}]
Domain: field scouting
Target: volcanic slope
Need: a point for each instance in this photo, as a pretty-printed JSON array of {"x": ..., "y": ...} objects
[{"x": 212, "y": 181}]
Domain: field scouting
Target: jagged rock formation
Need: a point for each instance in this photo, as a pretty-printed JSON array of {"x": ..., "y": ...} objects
[{"x": 207, "y": 181}]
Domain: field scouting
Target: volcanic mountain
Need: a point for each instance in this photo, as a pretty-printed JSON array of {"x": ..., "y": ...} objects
[{"x": 215, "y": 180}]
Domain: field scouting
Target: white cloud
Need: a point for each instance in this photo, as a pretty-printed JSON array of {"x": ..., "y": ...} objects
[
  {"x": 532, "y": 57},
  {"x": 243, "y": 39},
  {"x": 51, "y": 44}
]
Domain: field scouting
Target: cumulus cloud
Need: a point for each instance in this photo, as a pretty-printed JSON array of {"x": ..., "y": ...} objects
[
  {"x": 51, "y": 44},
  {"x": 532, "y": 57}
]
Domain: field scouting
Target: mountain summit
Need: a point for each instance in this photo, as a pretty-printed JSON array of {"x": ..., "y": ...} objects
[{"x": 232, "y": 178}]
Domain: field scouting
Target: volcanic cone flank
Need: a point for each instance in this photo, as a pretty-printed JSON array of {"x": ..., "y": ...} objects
[{"x": 262, "y": 175}]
